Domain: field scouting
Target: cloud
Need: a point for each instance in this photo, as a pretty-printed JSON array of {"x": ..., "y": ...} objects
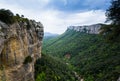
[
  {"x": 55, "y": 20},
  {"x": 58, "y": 21}
]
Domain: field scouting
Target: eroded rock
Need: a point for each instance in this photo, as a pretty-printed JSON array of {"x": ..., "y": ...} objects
[{"x": 17, "y": 41}]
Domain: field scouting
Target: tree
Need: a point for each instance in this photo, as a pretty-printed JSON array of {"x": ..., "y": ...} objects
[
  {"x": 112, "y": 31},
  {"x": 6, "y": 16},
  {"x": 113, "y": 12},
  {"x": 22, "y": 16}
]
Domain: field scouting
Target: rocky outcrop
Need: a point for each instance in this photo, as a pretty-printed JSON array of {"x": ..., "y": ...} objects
[
  {"x": 91, "y": 29},
  {"x": 17, "y": 42}
]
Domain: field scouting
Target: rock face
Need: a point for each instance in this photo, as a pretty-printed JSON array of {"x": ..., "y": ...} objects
[
  {"x": 91, "y": 29},
  {"x": 17, "y": 42}
]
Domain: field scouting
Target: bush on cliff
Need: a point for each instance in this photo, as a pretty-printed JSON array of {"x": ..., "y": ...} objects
[{"x": 6, "y": 16}]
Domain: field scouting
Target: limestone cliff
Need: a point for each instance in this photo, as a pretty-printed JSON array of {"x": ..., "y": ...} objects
[
  {"x": 91, "y": 29},
  {"x": 18, "y": 42}
]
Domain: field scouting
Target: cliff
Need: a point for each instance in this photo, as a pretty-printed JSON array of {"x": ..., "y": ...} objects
[
  {"x": 91, "y": 29},
  {"x": 20, "y": 46}
]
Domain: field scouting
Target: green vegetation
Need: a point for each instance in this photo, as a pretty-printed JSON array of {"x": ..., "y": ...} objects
[
  {"x": 113, "y": 12},
  {"x": 93, "y": 58},
  {"x": 27, "y": 60},
  {"x": 48, "y": 68},
  {"x": 112, "y": 32},
  {"x": 46, "y": 38},
  {"x": 9, "y": 18},
  {"x": 6, "y": 16}
]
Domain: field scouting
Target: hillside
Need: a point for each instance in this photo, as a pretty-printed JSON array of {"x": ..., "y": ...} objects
[
  {"x": 48, "y": 35},
  {"x": 94, "y": 59},
  {"x": 48, "y": 68}
]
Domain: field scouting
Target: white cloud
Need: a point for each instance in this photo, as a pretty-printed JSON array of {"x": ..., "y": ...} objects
[{"x": 57, "y": 21}]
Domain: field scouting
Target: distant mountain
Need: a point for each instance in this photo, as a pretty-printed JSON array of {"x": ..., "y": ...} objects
[
  {"x": 94, "y": 59},
  {"x": 47, "y": 34},
  {"x": 91, "y": 29}
]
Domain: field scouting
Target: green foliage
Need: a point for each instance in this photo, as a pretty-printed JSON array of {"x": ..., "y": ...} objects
[
  {"x": 113, "y": 12},
  {"x": 48, "y": 68},
  {"x": 6, "y": 16},
  {"x": 27, "y": 60},
  {"x": 21, "y": 18},
  {"x": 112, "y": 32},
  {"x": 93, "y": 58},
  {"x": 41, "y": 77}
]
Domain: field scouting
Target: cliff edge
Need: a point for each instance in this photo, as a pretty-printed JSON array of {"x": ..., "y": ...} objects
[
  {"x": 20, "y": 46},
  {"x": 91, "y": 29}
]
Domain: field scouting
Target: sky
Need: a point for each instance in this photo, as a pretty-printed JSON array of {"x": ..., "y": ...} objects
[{"x": 57, "y": 15}]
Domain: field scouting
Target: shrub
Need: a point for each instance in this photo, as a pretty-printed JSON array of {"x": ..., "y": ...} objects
[{"x": 6, "y": 16}]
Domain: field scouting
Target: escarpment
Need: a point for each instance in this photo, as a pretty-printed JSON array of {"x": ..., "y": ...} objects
[
  {"x": 20, "y": 46},
  {"x": 91, "y": 29}
]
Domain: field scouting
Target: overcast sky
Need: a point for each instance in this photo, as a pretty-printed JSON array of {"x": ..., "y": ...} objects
[{"x": 57, "y": 15}]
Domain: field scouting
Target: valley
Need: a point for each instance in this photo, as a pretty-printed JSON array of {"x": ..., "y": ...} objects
[
  {"x": 60, "y": 40},
  {"x": 88, "y": 54}
]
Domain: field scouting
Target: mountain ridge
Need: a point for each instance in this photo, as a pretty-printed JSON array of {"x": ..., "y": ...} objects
[
  {"x": 50, "y": 34},
  {"x": 91, "y": 29}
]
